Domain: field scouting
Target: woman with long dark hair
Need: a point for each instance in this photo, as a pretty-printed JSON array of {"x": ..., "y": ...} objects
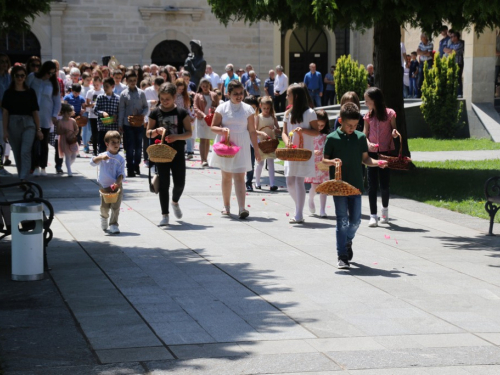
[
  {"x": 302, "y": 119},
  {"x": 46, "y": 88},
  {"x": 21, "y": 122},
  {"x": 33, "y": 64}
]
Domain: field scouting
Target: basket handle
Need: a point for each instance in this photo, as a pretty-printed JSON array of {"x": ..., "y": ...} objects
[
  {"x": 226, "y": 142},
  {"x": 163, "y": 136},
  {"x": 338, "y": 171},
  {"x": 400, "y": 145},
  {"x": 301, "y": 139}
]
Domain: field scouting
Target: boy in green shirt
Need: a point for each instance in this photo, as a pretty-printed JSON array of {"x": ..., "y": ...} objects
[{"x": 348, "y": 146}]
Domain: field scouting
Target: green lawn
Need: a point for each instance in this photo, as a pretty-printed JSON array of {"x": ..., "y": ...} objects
[
  {"x": 455, "y": 185},
  {"x": 431, "y": 144}
]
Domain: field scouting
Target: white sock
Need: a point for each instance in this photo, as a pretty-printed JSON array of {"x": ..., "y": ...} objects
[
  {"x": 300, "y": 189},
  {"x": 322, "y": 201},
  {"x": 258, "y": 172},
  {"x": 270, "y": 166}
]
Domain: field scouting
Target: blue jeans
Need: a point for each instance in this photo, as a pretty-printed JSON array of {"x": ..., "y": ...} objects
[
  {"x": 189, "y": 145},
  {"x": 86, "y": 134},
  {"x": 132, "y": 142},
  {"x": 406, "y": 91},
  {"x": 315, "y": 98},
  {"x": 413, "y": 87},
  {"x": 348, "y": 212}
]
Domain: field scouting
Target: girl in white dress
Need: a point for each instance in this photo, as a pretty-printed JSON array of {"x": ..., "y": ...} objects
[
  {"x": 302, "y": 119},
  {"x": 237, "y": 119}
]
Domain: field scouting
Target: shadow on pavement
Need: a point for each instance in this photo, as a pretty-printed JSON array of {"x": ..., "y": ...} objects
[{"x": 363, "y": 270}]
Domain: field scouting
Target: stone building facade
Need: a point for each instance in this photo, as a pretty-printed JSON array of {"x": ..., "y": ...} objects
[{"x": 142, "y": 31}]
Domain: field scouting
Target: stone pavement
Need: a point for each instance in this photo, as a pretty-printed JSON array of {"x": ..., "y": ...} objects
[{"x": 216, "y": 295}]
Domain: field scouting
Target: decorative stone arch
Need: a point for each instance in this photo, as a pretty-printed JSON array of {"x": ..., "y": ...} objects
[
  {"x": 160, "y": 37},
  {"x": 332, "y": 45},
  {"x": 44, "y": 39}
]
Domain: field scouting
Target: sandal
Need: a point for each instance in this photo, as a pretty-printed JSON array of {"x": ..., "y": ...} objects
[
  {"x": 244, "y": 214},
  {"x": 293, "y": 221},
  {"x": 225, "y": 211}
]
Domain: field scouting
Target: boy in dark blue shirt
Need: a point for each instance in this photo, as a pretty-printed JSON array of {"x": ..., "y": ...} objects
[
  {"x": 75, "y": 99},
  {"x": 414, "y": 66}
]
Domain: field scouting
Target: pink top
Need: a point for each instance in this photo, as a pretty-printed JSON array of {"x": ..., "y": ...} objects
[{"x": 381, "y": 131}]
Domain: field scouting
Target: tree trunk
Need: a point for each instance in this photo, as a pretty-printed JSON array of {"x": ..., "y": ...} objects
[{"x": 388, "y": 70}]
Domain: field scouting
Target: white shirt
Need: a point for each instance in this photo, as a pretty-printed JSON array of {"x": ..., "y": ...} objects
[
  {"x": 151, "y": 95},
  {"x": 92, "y": 94},
  {"x": 223, "y": 77},
  {"x": 403, "y": 50},
  {"x": 214, "y": 79},
  {"x": 280, "y": 83}
]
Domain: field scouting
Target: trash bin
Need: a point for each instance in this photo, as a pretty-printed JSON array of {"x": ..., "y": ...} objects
[{"x": 27, "y": 241}]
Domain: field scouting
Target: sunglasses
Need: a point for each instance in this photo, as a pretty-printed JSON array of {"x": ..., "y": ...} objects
[{"x": 20, "y": 75}]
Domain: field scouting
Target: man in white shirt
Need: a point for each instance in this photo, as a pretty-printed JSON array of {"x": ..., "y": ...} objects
[
  {"x": 213, "y": 77},
  {"x": 280, "y": 87}
]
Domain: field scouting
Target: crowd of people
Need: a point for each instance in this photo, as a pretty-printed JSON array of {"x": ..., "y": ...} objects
[{"x": 94, "y": 109}]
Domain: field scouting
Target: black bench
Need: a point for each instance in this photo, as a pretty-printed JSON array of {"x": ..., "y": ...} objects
[
  {"x": 33, "y": 193},
  {"x": 492, "y": 193}
]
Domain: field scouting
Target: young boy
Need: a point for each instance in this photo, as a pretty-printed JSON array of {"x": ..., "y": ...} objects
[
  {"x": 119, "y": 86},
  {"x": 348, "y": 146},
  {"x": 111, "y": 173},
  {"x": 75, "y": 99},
  {"x": 106, "y": 106},
  {"x": 413, "y": 75}
]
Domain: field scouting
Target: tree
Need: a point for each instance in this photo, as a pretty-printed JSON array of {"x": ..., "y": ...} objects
[
  {"x": 440, "y": 107},
  {"x": 350, "y": 76},
  {"x": 385, "y": 16},
  {"x": 15, "y": 15}
]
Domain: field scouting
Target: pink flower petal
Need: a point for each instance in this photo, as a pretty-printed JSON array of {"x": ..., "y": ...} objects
[
  {"x": 396, "y": 241},
  {"x": 263, "y": 199},
  {"x": 287, "y": 214},
  {"x": 387, "y": 237},
  {"x": 248, "y": 205},
  {"x": 209, "y": 214},
  {"x": 375, "y": 263}
]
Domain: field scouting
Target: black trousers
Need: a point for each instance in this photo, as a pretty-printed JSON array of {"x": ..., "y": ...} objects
[
  {"x": 329, "y": 96},
  {"x": 41, "y": 158},
  {"x": 95, "y": 135},
  {"x": 102, "y": 144},
  {"x": 378, "y": 176},
  {"x": 57, "y": 160},
  {"x": 280, "y": 103},
  {"x": 178, "y": 170},
  {"x": 145, "y": 145},
  {"x": 250, "y": 173}
]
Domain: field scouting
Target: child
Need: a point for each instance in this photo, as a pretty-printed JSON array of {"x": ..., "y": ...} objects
[
  {"x": 111, "y": 174},
  {"x": 266, "y": 125},
  {"x": 303, "y": 119},
  {"x": 350, "y": 97},
  {"x": 75, "y": 99},
  {"x": 91, "y": 99},
  {"x": 86, "y": 130},
  {"x": 182, "y": 101},
  {"x": 414, "y": 66},
  {"x": 320, "y": 176},
  {"x": 380, "y": 128},
  {"x": 348, "y": 146},
  {"x": 68, "y": 131},
  {"x": 106, "y": 106},
  {"x": 254, "y": 102}
]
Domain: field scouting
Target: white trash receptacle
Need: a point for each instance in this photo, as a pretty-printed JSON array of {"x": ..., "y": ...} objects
[{"x": 27, "y": 245}]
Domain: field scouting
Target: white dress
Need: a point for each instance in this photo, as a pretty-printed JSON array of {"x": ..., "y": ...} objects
[
  {"x": 204, "y": 131},
  {"x": 301, "y": 168},
  {"x": 235, "y": 118}
]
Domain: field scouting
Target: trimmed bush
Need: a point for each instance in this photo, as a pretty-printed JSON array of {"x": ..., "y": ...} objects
[
  {"x": 440, "y": 107},
  {"x": 350, "y": 76}
]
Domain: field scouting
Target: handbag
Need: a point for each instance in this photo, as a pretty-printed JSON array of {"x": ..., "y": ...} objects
[
  {"x": 154, "y": 182},
  {"x": 209, "y": 118}
]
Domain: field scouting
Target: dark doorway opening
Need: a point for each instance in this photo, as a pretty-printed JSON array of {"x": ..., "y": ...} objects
[
  {"x": 20, "y": 46},
  {"x": 170, "y": 52}
]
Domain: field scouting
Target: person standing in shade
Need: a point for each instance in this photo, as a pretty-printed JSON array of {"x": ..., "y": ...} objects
[
  {"x": 280, "y": 87},
  {"x": 269, "y": 84},
  {"x": 371, "y": 75},
  {"x": 329, "y": 96},
  {"x": 457, "y": 45},
  {"x": 443, "y": 43},
  {"x": 133, "y": 102},
  {"x": 314, "y": 83},
  {"x": 424, "y": 50},
  {"x": 252, "y": 85}
]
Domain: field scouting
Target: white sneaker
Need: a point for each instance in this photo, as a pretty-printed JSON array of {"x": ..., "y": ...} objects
[
  {"x": 385, "y": 216},
  {"x": 104, "y": 223},
  {"x": 43, "y": 172},
  {"x": 113, "y": 229},
  {"x": 373, "y": 221},
  {"x": 164, "y": 221},
  {"x": 36, "y": 172},
  {"x": 177, "y": 210}
]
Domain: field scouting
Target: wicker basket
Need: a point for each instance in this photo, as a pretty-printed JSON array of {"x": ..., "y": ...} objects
[
  {"x": 109, "y": 197},
  {"x": 81, "y": 121},
  {"x": 107, "y": 120},
  {"x": 294, "y": 154},
  {"x": 268, "y": 146},
  {"x": 136, "y": 121},
  {"x": 400, "y": 162},
  {"x": 161, "y": 153},
  {"x": 337, "y": 187}
]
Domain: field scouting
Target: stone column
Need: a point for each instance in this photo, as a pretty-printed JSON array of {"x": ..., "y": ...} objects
[
  {"x": 479, "y": 66},
  {"x": 56, "y": 12}
]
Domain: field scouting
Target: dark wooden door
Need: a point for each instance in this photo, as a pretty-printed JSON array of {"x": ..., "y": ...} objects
[
  {"x": 170, "y": 52},
  {"x": 20, "y": 46},
  {"x": 306, "y": 47}
]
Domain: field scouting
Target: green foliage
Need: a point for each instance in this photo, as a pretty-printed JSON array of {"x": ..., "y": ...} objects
[
  {"x": 350, "y": 76},
  {"x": 440, "y": 107},
  {"x": 17, "y": 14},
  {"x": 467, "y": 144}
]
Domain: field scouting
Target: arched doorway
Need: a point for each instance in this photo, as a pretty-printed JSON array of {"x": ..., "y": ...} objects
[
  {"x": 170, "y": 52},
  {"x": 20, "y": 46},
  {"x": 307, "y": 46}
]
